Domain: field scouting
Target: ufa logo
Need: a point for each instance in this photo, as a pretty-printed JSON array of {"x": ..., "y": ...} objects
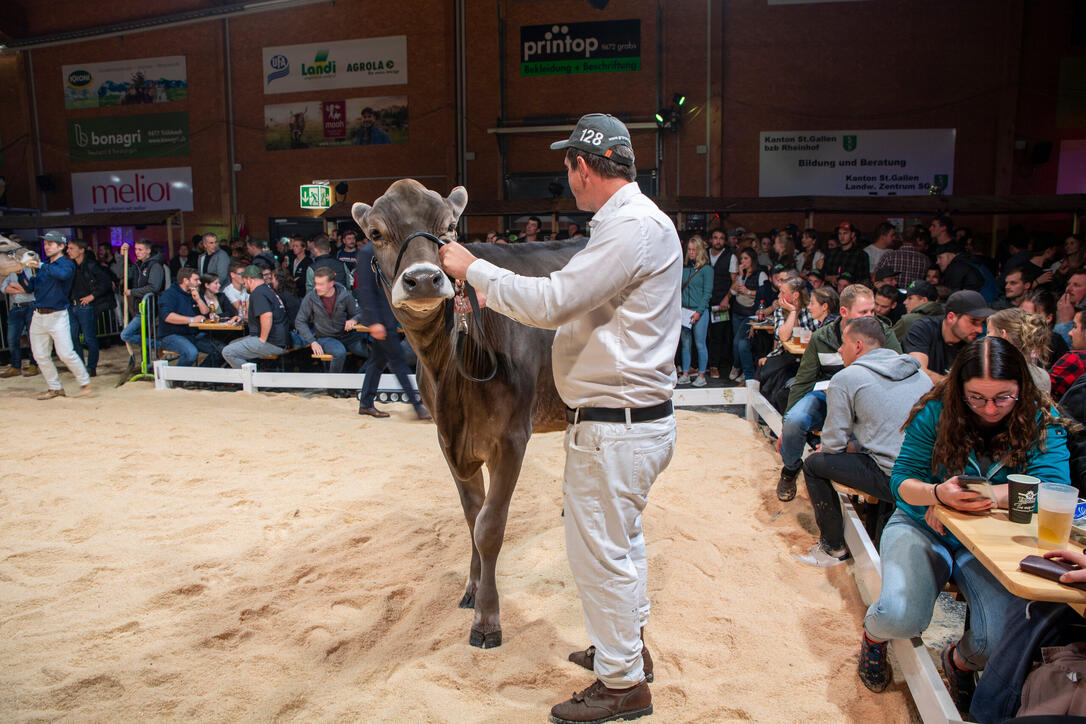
[
  {"x": 558, "y": 40},
  {"x": 280, "y": 67}
]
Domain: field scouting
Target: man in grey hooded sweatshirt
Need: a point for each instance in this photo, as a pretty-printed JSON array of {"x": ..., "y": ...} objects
[{"x": 868, "y": 400}]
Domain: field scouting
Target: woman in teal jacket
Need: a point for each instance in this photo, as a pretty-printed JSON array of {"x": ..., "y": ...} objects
[
  {"x": 697, "y": 288},
  {"x": 986, "y": 419}
]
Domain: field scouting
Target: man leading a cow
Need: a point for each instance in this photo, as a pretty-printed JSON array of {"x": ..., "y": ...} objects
[{"x": 615, "y": 307}]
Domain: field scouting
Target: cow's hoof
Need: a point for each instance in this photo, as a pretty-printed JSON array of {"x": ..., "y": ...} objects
[
  {"x": 490, "y": 640},
  {"x": 468, "y": 601}
]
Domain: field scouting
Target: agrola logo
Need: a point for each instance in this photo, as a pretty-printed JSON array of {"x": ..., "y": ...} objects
[
  {"x": 557, "y": 40},
  {"x": 79, "y": 78}
]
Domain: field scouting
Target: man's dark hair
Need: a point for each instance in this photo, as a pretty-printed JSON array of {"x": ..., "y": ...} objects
[
  {"x": 868, "y": 328},
  {"x": 185, "y": 272},
  {"x": 256, "y": 243},
  {"x": 145, "y": 243},
  {"x": 889, "y": 291},
  {"x": 349, "y": 232},
  {"x": 884, "y": 228},
  {"x": 324, "y": 272},
  {"x": 237, "y": 266},
  {"x": 285, "y": 280},
  {"x": 812, "y": 233},
  {"x": 1028, "y": 276},
  {"x": 537, "y": 220},
  {"x": 321, "y": 243},
  {"x": 80, "y": 243},
  {"x": 945, "y": 221},
  {"x": 603, "y": 166}
]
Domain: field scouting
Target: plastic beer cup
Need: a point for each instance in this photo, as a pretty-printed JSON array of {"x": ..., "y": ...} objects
[{"x": 1055, "y": 509}]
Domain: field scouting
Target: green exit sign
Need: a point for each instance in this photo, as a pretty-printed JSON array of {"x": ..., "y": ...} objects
[{"x": 316, "y": 196}]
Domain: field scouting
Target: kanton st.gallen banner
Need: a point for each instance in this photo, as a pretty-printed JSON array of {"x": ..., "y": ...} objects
[
  {"x": 339, "y": 64},
  {"x": 906, "y": 162},
  {"x": 112, "y": 138},
  {"x": 125, "y": 82}
]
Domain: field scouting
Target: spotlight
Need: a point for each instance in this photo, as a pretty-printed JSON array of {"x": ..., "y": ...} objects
[
  {"x": 678, "y": 99},
  {"x": 667, "y": 119}
]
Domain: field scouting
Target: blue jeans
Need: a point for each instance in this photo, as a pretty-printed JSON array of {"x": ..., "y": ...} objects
[
  {"x": 382, "y": 352},
  {"x": 806, "y": 415},
  {"x": 18, "y": 322},
  {"x": 916, "y": 564},
  {"x": 131, "y": 331},
  {"x": 741, "y": 353},
  {"x": 83, "y": 319},
  {"x": 190, "y": 345},
  {"x": 338, "y": 347},
  {"x": 696, "y": 333}
]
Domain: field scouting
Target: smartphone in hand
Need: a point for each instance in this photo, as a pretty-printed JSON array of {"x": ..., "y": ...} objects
[{"x": 977, "y": 485}]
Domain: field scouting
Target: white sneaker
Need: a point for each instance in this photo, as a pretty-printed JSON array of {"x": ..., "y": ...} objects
[
  {"x": 683, "y": 380},
  {"x": 699, "y": 381},
  {"x": 819, "y": 558},
  {"x": 741, "y": 380},
  {"x": 735, "y": 374}
]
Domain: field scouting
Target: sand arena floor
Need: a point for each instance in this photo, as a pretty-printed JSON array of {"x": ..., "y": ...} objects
[{"x": 223, "y": 556}]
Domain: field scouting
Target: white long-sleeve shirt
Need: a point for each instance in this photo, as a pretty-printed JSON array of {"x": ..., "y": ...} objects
[{"x": 615, "y": 306}]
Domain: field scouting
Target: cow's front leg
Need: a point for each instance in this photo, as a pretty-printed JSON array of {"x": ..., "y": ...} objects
[
  {"x": 486, "y": 629},
  {"x": 472, "y": 494}
]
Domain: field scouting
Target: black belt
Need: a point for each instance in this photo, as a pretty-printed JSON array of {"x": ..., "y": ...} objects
[
  {"x": 47, "y": 310},
  {"x": 618, "y": 414},
  {"x": 22, "y": 304}
]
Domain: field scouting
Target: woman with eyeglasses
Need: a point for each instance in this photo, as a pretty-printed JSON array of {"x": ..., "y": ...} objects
[{"x": 987, "y": 419}]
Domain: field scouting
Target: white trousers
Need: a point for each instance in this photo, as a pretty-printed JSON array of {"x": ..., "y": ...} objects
[
  {"x": 47, "y": 330},
  {"x": 610, "y": 468}
]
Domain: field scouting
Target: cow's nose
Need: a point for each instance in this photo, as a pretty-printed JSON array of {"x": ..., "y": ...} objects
[{"x": 423, "y": 282}]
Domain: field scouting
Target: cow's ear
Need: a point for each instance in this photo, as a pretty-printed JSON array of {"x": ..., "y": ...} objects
[
  {"x": 458, "y": 200},
  {"x": 359, "y": 211}
]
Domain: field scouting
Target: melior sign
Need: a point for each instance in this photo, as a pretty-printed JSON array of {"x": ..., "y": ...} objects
[{"x": 142, "y": 189}]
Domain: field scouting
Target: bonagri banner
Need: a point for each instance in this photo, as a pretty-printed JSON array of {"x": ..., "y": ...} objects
[
  {"x": 110, "y": 138},
  {"x": 141, "y": 189},
  {"x": 349, "y": 122},
  {"x": 340, "y": 64},
  {"x": 610, "y": 46},
  {"x": 856, "y": 163},
  {"x": 126, "y": 82}
]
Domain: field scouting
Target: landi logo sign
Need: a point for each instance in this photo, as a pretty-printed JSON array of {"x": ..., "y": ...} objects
[
  {"x": 79, "y": 78},
  {"x": 597, "y": 47}
]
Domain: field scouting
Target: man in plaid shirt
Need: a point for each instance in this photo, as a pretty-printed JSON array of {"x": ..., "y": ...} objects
[
  {"x": 908, "y": 262},
  {"x": 848, "y": 257},
  {"x": 1073, "y": 364}
]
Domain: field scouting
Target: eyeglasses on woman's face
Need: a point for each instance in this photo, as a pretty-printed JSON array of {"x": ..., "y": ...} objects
[{"x": 978, "y": 402}]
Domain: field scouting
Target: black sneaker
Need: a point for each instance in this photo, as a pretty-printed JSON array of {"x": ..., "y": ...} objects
[
  {"x": 874, "y": 665},
  {"x": 961, "y": 684},
  {"x": 786, "y": 486}
]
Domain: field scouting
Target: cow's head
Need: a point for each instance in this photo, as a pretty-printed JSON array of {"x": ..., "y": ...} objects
[
  {"x": 406, "y": 207},
  {"x": 14, "y": 256}
]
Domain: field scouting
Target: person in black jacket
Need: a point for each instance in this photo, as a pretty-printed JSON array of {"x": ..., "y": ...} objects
[
  {"x": 720, "y": 338},
  {"x": 384, "y": 342},
  {"x": 91, "y": 294},
  {"x": 958, "y": 273},
  {"x": 322, "y": 247}
]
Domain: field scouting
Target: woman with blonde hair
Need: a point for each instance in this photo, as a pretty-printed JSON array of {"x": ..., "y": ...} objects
[
  {"x": 1030, "y": 334},
  {"x": 696, "y": 290}
]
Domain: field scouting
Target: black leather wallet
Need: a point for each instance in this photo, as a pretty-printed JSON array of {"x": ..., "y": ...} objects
[{"x": 1049, "y": 568}]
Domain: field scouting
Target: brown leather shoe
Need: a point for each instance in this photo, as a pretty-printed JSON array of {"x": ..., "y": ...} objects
[
  {"x": 423, "y": 413},
  {"x": 714, "y": 373},
  {"x": 598, "y": 704},
  {"x": 30, "y": 371},
  {"x": 587, "y": 660},
  {"x": 10, "y": 371},
  {"x": 50, "y": 394},
  {"x": 372, "y": 412}
]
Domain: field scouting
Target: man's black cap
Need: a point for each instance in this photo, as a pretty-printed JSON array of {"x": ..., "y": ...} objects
[
  {"x": 923, "y": 289},
  {"x": 949, "y": 248},
  {"x": 966, "y": 301}
]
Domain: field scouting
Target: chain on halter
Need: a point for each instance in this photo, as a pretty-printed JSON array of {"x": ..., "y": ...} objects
[{"x": 472, "y": 300}]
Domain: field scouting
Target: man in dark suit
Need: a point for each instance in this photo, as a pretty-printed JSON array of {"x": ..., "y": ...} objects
[
  {"x": 720, "y": 330},
  {"x": 184, "y": 258}
]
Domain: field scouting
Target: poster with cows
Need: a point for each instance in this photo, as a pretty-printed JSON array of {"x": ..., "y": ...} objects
[{"x": 372, "y": 121}]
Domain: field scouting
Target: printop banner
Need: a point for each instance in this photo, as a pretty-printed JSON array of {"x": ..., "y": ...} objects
[
  {"x": 856, "y": 163},
  {"x": 110, "y": 138},
  {"x": 126, "y": 82},
  {"x": 143, "y": 189},
  {"x": 349, "y": 122},
  {"x": 610, "y": 46},
  {"x": 340, "y": 64}
]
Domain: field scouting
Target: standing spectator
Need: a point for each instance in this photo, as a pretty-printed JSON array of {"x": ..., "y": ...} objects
[
  {"x": 533, "y": 230},
  {"x": 299, "y": 262},
  {"x": 214, "y": 260},
  {"x": 1073, "y": 255},
  {"x": 179, "y": 307},
  {"x": 322, "y": 249},
  {"x": 806, "y": 403},
  {"x": 49, "y": 326},
  {"x": 1043, "y": 303},
  {"x": 697, "y": 289},
  {"x": 908, "y": 261},
  {"x": 784, "y": 249},
  {"x": 91, "y": 294},
  {"x": 1069, "y": 302},
  {"x": 867, "y": 404},
  {"x": 1017, "y": 285},
  {"x": 1073, "y": 364},
  {"x": 958, "y": 272},
  {"x": 260, "y": 253},
  {"x": 876, "y": 251},
  {"x": 848, "y": 257},
  {"x": 986, "y": 419},
  {"x": 935, "y": 343},
  {"x": 384, "y": 342},
  {"x": 1029, "y": 333},
  {"x": 146, "y": 276},
  {"x": 326, "y": 321},
  {"x": 267, "y": 320},
  {"x": 20, "y": 309},
  {"x": 348, "y": 254},
  {"x": 749, "y": 279},
  {"x": 765, "y": 251},
  {"x": 719, "y": 324},
  {"x": 185, "y": 257},
  {"x": 941, "y": 230},
  {"x": 812, "y": 256}
]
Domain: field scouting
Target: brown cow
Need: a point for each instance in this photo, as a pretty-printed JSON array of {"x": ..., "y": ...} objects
[
  {"x": 14, "y": 256},
  {"x": 478, "y": 423}
]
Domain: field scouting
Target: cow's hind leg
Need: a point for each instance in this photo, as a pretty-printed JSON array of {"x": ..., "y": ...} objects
[
  {"x": 489, "y": 533},
  {"x": 472, "y": 494}
]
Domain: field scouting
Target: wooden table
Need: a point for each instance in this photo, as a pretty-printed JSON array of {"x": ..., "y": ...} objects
[
  {"x": 794, "y": 347},
  {"x": 762, "y": 326},
  {"x": 217, "y": 326},
  {"x": 1000, "y": 544}
]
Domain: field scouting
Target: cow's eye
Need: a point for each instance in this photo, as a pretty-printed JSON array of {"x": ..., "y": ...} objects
[
  {"x": 374, "y": 235},
  {"x": 452, "y": 227}
]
